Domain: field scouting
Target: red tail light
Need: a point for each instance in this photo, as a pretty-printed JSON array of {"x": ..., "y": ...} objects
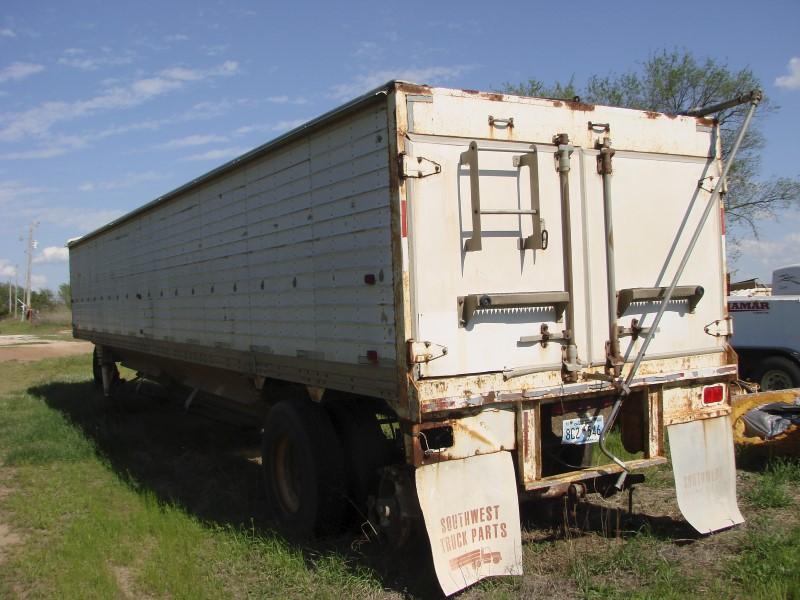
[{"x": 713, "y": 394}]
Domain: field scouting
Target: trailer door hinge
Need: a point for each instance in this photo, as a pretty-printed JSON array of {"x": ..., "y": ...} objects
[
  {"x": 423, "y": 352},
  {"x": 418, "y": 166},
  {"x": 720, "y": 327}
]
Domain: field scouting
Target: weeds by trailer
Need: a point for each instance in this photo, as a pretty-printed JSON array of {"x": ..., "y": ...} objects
[{"x": 421, "y": 293}]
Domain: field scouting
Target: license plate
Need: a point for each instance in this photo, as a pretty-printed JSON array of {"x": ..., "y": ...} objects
[{"x": 585, "y": 430}]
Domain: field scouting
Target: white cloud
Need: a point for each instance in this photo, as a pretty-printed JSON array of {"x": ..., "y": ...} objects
[
  {"x": 176, "y": 37},
  {"x": 280, "y": 126},
  {"x": 367, "y": 81},
  {"x": 192, "y": 140},
  {"x": 218, "y": 154},
  {"x": 245, "y": 129},
  {"x": 7, "y": 33},
  {"x": 368, "y": 49},
  {"x": 792, "y": 80},
  {"x": 243, "y": 12},
  {"x": 37, "y": 121},
  {"x": 215, "y": 50},
  {"x": 79, "y": 59},
  {"x": 44, "y": 152},
  {"x": 11, "y": 191},
  {"x": 287, "y": 100},
  {"x": 288, "y": 124},
  {"x": 66, "y": 217},
  {"x": 55, "y": 146},
  {"x": 229, "y": 67},
  {"x": 19, "y": 70},
  {"x": 52, "y": 254},
  {"x": 127, "y": 180},
  {"x": 6, "y": 268},
  {"x": 59, "y": 145},
  {"x": 207, "y": 110},
  {"x": 768, "y": 254},
  {"x": 38, "y": 281},
  {"x": 149, "y": 124}
]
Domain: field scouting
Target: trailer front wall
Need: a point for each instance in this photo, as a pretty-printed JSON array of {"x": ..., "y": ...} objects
[{"x": 288, "y": 255}]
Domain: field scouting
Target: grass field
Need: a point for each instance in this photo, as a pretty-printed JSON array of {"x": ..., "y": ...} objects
[
  {"x": 140, "y": 500},
  {"x": 53, "y": 326}
]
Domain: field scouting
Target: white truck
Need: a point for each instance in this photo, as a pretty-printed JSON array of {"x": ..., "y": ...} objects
[
  {"x": 441, "y": 301},
  {"x": 767, "y": 331}
]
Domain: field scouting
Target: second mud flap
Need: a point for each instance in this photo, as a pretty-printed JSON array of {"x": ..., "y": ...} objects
[
  {"x": 471, "y": 514},
  {"x": 705, "y": 473}
]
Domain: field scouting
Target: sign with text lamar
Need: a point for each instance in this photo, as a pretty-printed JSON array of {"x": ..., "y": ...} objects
[{"x": 472, "y": 518}]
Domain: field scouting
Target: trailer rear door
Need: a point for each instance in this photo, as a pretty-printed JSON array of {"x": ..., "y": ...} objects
[
  {"x": 450, "y": 278},
  {"x": 657, "y": 202}
]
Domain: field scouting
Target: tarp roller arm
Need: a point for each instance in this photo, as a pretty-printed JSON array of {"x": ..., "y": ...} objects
[{"x": 753, "y": 98}]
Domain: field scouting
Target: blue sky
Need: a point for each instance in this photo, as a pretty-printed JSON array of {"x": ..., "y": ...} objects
[{"x": 106, "y": 105}]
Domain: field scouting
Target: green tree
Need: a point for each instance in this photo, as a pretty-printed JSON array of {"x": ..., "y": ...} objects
[
  {"x": 43, "y": 299},
  {"x": 65, "y": 294},
  {"x": 4, "y": 300},
  {"x": 673, "y": 82}
]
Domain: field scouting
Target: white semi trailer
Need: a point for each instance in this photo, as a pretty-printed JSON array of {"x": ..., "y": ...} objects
[
  {"x": 441, "y": 301},
  {"x": 767, "y": 331}
]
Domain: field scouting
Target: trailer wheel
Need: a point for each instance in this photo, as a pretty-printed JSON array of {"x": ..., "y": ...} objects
[
  {"x": 778, "y": 373},
  {"x": 366, "y": 448},
  {"x": 303, "y": 470},
  {"x": 97, "y": 371}
]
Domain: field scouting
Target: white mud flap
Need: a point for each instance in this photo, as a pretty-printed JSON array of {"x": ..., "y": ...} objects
[
  {"x": 705, "y": 473},
  {"x": 471, "y": 513}
]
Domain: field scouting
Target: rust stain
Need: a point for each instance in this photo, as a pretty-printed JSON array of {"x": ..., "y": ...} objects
[
  {"x": 557, "y": 103},
  {"x": 495, "y": 97},
  {"x": 582, "y": 106},
  {"x": 469, "y": 432},
  {"x": 473, "y": 92},
  {"x": 525, "y": 433},
  {"x": 652, "y": 114},
  {"x": 412, "y": 88},
  {"x": 705, "y": 121}
]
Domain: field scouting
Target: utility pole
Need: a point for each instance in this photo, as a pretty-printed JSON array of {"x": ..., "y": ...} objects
[
  {"x": 29, "y": 252},
  {"x": 16, "y": 282},
  {"x": 9, "y": 296}
]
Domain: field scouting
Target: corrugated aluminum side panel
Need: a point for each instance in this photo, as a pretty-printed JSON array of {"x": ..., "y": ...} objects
[{"x": 271, "y": 256}]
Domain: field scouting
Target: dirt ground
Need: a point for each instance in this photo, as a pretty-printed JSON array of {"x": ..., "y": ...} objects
[{"x": 27, "y": 348}]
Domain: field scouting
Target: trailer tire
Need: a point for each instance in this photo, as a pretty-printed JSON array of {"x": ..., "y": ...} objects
[
  {"x": 301, "y": 457},
  {"x": 97, "y": 371},
  {"x": 777, "y": 373},
  {"x": 366, "y": 449}
]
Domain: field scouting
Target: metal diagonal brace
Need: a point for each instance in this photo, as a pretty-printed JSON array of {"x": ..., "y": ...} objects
[{"x": 624, "y": 386}]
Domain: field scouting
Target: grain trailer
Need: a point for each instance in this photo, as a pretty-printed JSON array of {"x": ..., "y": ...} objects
[{"x": 441, "y": 302}]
